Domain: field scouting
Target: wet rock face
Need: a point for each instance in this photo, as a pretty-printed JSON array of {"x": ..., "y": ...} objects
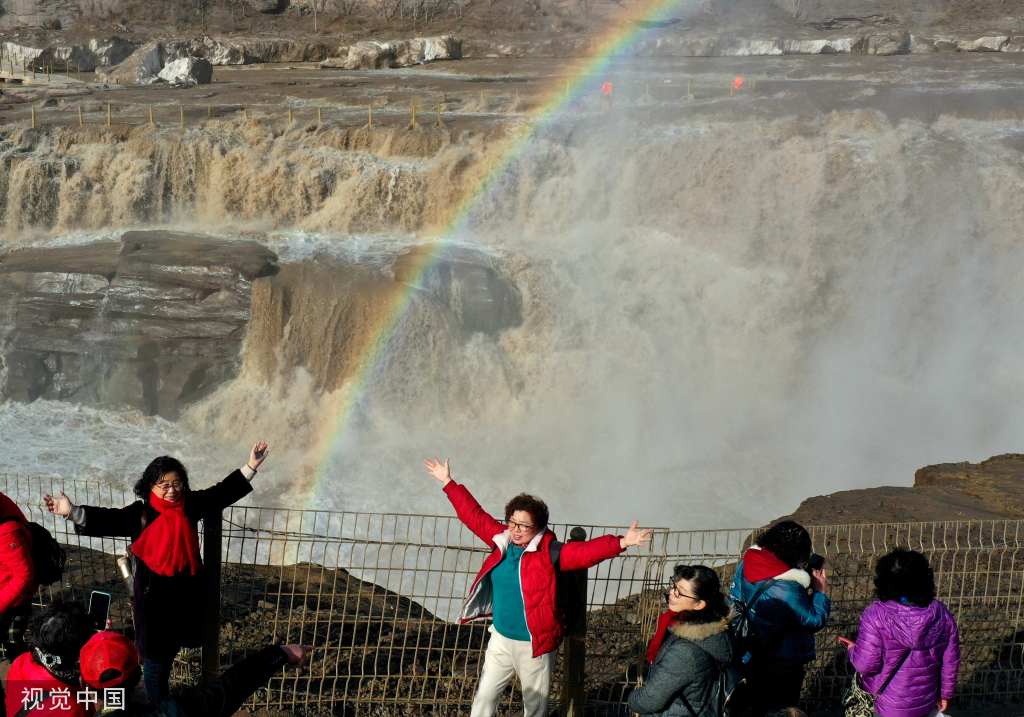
[
  {"x": 325, "y": 316},
  {"x": 479, "y": 297},
  {"x": 154, "y": 321}
]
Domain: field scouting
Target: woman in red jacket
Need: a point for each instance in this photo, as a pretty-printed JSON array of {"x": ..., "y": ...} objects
[
  {"x": 516, "y": 587},
  {"x": 17, "y": 579}
]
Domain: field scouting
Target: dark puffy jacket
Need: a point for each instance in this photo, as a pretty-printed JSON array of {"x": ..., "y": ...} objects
[
  {"x": 17, "y": 580},
  {"x": 688, "y": 664},
  {"x": 927, "y": 636},
  {"x": 785, "y": 617},
  {"x": 222, "y": 697},
  {"x": 160, "y": 595},
  {"x": 537, "y": 573}
]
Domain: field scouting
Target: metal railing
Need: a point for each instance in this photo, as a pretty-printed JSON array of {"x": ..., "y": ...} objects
[
  {"x": 979, "y": 574},
  {"x": 378, "y": 596}
]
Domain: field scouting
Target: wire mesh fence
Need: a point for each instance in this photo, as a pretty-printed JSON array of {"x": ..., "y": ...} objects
[
  {"x": 979, "y": 574},
  {"x": 378, "y": 597},
  {"x": 419, "y": 114}
]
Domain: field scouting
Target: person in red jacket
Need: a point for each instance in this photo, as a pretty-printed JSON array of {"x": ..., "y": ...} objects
[
  {"x": 516, "y": 588},
  {"x": 17, "y": 578},
  {"x": 45, "y": 680}
]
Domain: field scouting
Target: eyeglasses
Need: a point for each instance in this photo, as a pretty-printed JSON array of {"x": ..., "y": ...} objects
[
  {"x": 164, "y": 487},
  {"x": 673, "y": 590},
  {"x": 515, "y": 526}
]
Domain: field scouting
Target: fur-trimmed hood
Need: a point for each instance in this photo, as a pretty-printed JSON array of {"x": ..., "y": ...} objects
[
  {"x": 697, "y": 631},
  {"x": 679, "y": 683},
  {"x": 712, "y": 637}
]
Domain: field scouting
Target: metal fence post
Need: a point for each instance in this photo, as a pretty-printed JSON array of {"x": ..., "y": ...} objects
[
  {"x": 211, "y": 626},
  {"x": 573, "y": 590}
]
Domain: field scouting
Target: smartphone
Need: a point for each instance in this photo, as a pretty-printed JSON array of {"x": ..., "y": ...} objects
[
  {"x": 99, "y": 609},
  {"x": 817, "y": 562}
]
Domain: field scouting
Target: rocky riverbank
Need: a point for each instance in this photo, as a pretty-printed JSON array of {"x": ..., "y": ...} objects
[{"x": 54, "y": 32}]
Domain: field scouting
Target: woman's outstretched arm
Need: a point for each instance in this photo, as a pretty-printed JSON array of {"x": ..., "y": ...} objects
[
  {"x": 587, "y": 553},
  {"x": 96, "y": 521},
  {"x": 235, "y": 486},
  {"x": 484, "y": 525}
]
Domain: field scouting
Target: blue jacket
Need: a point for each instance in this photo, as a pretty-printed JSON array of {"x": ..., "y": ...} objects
[{"x": 785, "y": 617}]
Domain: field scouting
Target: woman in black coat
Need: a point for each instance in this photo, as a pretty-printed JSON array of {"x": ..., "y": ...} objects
[{"x": 168, "y": 583}]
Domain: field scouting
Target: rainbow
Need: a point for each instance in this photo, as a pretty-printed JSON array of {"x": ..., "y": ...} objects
[{"x": 584, "y": 76}]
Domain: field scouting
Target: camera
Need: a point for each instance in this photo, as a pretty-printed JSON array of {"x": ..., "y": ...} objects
[{"x": 815, "y": 562}]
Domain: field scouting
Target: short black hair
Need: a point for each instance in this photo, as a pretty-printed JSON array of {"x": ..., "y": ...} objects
[
  {"x": 61, "y": 629},
  {"x": 788, "y": 541},
  {"x": 707, "y": 587},
  {"x": 903, "y": 573},
  {"x": 537, "y": 509},
  {"x": 156, "y": 469}
]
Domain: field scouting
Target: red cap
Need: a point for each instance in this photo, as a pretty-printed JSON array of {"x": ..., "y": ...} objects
[{"x": 108, "y": 659}]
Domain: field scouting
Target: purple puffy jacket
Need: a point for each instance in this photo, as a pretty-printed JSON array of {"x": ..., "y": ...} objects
[{"x": 888, "y": 630}]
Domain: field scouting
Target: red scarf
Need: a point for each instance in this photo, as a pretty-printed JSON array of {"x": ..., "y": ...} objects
[
  {"x": 667, "y": 619},
  {"x": 760, "y": 564},
  {"x": 170, "y": 544}
]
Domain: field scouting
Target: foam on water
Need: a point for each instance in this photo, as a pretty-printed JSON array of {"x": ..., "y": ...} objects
[{"x": 68, "y": 441}]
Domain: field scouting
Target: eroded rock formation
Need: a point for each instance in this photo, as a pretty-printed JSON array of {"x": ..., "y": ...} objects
[{"x": 153, "y": 321}]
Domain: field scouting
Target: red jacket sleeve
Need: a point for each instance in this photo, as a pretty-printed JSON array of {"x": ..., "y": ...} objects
[
  {"x": 16, "y": 577},
  {"x": 484, "y": 525},
  {"x": 587, "y": 553}
]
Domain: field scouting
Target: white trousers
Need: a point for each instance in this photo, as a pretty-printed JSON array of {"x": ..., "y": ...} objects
[{"x": 507, "y": 658}]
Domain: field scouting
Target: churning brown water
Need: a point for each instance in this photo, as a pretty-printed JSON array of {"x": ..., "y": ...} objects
[{"x": 718, "y": 313}]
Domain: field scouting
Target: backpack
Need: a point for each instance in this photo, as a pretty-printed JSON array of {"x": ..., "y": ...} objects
[
  {"x": 728, "y": 696},
  {"x": 744, "y": 633},
  {"x": 48, "y": 557},
  {"x": 555, "y": 552}
]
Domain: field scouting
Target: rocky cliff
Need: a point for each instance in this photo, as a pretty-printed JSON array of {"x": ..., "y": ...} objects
[
  {"x": 991, "y": 489},
  {"x": 156, "y": 320},
  {"x": 153, "y": 321},
  {"x": 282, "y": 31}
]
